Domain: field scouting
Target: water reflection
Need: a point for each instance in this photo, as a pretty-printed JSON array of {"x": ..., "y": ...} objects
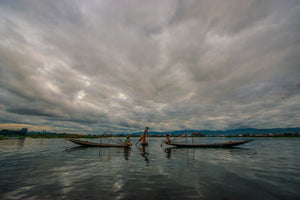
[
  {"x": 75, "y": 148},
  {"x": 144, "y": 152},
  {"x": 191, "y": 154},
  {"x": 13, "y": 143},
  {"x": 168, "y": 152},
  {"x": 47, "y": 169},
  {"x": 126, "y": 153}
]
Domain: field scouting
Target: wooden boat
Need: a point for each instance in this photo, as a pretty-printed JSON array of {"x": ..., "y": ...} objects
[
  {"x": 94, "y": 144},
  {"x": 228, "y": 144}
]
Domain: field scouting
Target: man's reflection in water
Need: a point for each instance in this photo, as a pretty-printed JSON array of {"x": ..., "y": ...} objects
[
  {"x": 126, "y": 153},
  {"x": 168, "y": 151},
  {"x": 144, "y": 153}
]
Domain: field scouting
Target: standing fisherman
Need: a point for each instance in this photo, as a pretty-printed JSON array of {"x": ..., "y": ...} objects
[{"x": 142, "y": 139}]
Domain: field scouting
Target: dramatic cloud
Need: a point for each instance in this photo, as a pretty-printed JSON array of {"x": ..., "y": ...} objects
[{"x": 91, "y": 66}]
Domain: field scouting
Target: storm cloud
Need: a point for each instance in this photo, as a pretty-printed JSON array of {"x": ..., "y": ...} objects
[{"x": 92, "y": 66}]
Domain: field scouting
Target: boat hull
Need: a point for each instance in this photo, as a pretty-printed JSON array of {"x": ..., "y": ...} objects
[
  {"x": 215, "y": 145},
  {"x": 94, "y": 144}
]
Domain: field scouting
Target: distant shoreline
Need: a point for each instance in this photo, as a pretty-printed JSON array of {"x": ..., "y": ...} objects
[
  {"x": 247, "y": 132},
  {"x": 161, "y": 136}
]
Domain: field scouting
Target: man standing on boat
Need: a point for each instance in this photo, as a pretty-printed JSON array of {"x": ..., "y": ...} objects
[
  {"x": 142, "y": 139},
  {"x": 127, "y": 141}
]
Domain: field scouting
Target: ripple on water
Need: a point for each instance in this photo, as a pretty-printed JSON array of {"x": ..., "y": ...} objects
[{"x": 58, "y": 169}]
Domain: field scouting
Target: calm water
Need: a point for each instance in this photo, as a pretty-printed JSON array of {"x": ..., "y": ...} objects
[{"x": 58, "y": 169}]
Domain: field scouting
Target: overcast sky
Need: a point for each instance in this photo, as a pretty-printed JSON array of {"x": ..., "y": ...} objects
[{"x": 92, "y": 66}]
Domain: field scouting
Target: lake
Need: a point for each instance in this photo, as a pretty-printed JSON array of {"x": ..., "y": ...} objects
[{"x": 266, "y": 168}]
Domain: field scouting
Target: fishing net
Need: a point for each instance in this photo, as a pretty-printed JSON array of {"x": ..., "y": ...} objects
[
  {"x": 182, "y": 139},
  {"x": 111, "y": 138}
]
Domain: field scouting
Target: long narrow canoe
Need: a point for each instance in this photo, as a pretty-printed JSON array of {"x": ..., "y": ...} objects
[
  {"x": 94, "y": 144},
  {"x": 228, "y": 144}
]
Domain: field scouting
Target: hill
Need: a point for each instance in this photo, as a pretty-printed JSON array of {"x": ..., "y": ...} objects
[{"x": 228, "y": 132}]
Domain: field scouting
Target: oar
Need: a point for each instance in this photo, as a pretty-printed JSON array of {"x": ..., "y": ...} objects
[
  {"x": 161, "y": 144},
  {"x": 136, "y": 142}
]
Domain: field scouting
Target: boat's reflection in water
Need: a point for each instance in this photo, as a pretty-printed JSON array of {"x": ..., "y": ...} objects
[
  {"x": 104, "y": 153},
  {"x": 76, "y": 148},
  {"x": 192, "y": 152}
]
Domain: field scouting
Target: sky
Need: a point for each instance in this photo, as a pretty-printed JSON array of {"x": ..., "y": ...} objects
[{"x": 94, "y": 66}]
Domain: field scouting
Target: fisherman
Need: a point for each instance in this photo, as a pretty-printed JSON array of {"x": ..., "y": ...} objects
[
  {"x": 168, "y": 140},
  {"x": 127, "y": 141},
  {"x": 143, "y": 138}
]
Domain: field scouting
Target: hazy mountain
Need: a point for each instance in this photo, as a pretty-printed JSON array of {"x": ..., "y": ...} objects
[{"x": 229, "y": 132}]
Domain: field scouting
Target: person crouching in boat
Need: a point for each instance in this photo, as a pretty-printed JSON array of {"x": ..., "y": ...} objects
[
  {"x": 167, "y": 140},
  {"x": 127, "y": 141}
]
